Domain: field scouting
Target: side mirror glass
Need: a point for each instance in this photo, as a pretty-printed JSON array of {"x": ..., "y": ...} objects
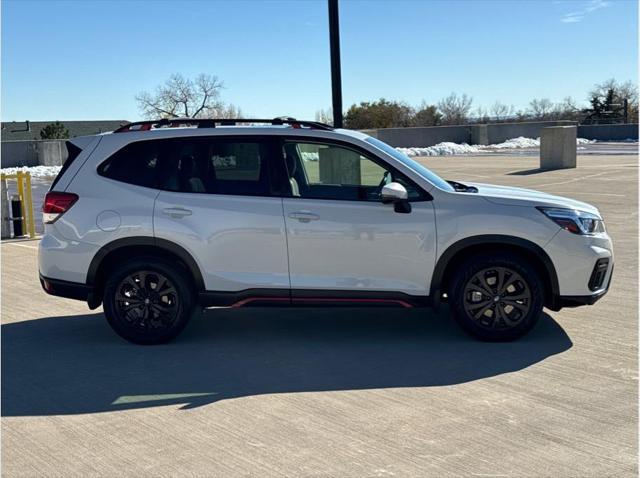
[{"x": 393, "y": 192}]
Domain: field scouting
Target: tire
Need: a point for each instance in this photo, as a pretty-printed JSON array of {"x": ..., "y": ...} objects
[
  {"x": 148, "y": 300},
  {"x": 496, "y": 296}
]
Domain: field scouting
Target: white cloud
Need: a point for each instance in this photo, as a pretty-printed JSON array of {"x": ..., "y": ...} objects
[{"x": 588, "y": 7}]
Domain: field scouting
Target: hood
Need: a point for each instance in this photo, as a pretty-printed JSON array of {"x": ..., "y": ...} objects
[{"x": 528, "y": 197}]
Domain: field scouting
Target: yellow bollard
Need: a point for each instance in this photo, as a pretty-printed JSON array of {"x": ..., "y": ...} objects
[
  {"x": 31, "y": 224},
  {"x": 23, "y": 185}
]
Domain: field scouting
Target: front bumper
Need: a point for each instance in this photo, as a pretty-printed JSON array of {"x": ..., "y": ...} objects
[
  {"x": 579, "y": 300},
  {"x": 574, "y": 258}
]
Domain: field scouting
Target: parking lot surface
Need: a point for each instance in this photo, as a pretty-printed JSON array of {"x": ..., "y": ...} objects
[{"x": 333, "y": 392}]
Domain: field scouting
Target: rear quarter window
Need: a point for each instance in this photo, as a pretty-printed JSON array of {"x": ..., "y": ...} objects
[{"x": 136, "y": 163}]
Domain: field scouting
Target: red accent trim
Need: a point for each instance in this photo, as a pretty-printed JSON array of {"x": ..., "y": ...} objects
[
  {"x": 242, "y": 302},
  {"x": 345, "y": 299},
  {"x": 321, "y": 299}
]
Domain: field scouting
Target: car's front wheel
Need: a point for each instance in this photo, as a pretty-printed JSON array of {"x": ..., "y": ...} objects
[
  {"x": 148, "y": 301},
  {"x": 496, "y": 297}
]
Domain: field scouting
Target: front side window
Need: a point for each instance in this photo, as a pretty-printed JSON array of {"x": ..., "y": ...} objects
[{"x": 331, "y": 171}]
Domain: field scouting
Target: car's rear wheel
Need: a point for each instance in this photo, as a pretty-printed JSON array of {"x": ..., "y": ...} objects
[
  {"x": 496, "y": 297},
  {"x": 148, "y": 301}
]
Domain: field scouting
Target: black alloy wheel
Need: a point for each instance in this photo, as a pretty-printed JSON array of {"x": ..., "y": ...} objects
[
  {"x": 496, "y": 296},
  {"x": 149, "y": 300}
]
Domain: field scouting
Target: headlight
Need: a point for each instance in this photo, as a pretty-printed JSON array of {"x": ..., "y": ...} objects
[{"x": 577, "y": 222}]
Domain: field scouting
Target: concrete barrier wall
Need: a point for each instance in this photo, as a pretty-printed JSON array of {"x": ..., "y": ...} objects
[
  {"x": 19, "y": 153},
  {"x": 494, "y": 133},
  {"x": 500, "y": 132},
  {"x": 33, "y": 153},
  {"x": 608, "y": 132},
  {"x": 471, "y": 134},
  {"x": 422, "y": 137}
]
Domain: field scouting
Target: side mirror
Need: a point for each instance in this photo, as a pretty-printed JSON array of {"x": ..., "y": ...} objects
[
  {"x": 397, "y": 194},
  {"x": 393, "y": 192}
]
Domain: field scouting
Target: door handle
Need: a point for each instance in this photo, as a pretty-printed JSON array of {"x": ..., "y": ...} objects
[
  {"x": 177, "y": 212},
  {"x": 304, "y": 216}
]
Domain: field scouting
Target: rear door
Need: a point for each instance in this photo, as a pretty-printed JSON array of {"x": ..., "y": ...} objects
[{"x": 221, "y": 201}]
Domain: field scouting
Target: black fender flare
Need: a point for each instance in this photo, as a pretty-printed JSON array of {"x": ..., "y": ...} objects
[
  {"x": 489, "y": 240},
  {"x": 147, "y": 241}
]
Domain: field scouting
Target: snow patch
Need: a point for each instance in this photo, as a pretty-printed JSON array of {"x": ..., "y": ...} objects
[
  {"x": 515, "y": 143},
  {"x": 36, "y": 171},
  {"x": 441, "y": 149},
  {"x": 452, "y": 149}
]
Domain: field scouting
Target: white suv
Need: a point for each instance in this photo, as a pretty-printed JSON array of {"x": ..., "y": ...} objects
[{"x": 160, "y": 217}]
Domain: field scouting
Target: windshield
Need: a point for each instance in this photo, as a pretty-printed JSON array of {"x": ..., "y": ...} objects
[{"x": 429, "y": 175}]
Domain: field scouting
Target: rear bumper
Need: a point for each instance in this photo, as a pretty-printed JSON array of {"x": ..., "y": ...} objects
[{"x": 66, "y": 289}]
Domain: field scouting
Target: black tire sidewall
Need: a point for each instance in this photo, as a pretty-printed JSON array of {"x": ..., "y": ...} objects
[
  {"x": 185, "y": 295},
  {"x": 511, "y": 261}
]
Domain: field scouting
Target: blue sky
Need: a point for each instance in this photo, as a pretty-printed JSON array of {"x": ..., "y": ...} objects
[{"x": 72, "y": 60}]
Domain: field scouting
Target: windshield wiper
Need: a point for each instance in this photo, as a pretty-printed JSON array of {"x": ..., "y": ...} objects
[{"x": 463, "y": 188}]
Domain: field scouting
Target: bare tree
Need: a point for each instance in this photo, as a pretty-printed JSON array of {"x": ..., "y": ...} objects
[
  {"x": 567, "y": 109},
  {"x": 481, "y": 115},
  {"x": 227, "y": 111},
  {"x": 501, "y": 112},
  {"x": 325, "y": 116},
  {"x": 455, "y": 109},
  {"x": 540, "y": 108},
  {"x": 183, "y": 97}
]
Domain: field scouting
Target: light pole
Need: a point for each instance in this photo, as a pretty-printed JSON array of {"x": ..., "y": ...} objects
[{"x": 336, "y": 77}]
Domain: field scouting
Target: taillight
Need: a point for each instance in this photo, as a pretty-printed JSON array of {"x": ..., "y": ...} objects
[{"x": 56, "y": 204}]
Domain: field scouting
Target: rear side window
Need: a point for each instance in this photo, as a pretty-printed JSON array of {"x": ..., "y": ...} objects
[
  {"x": 200, "y": 165},
  {"x": 73, "y": 152},
  {"x": 236, "y": 161},
  {"x": 136, "y": 163}
]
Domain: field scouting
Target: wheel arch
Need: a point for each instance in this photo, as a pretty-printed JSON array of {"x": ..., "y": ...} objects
[
  {"x": 111, "y": 254},
  {"x": 464, "y": 248}
]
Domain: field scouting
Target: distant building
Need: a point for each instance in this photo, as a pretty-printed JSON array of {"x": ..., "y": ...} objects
[{"x": 30, "y": 130}]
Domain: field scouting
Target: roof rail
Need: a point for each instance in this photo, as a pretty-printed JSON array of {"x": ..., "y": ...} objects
[{"x": 211, "y": 123}]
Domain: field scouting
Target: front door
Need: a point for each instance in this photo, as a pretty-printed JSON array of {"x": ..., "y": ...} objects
[{"x": 341, "y": 236}]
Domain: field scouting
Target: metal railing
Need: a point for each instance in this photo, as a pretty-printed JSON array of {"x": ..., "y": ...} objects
[{"x": 21, "y": 214}]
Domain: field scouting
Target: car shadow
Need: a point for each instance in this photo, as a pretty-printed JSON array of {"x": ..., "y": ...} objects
[
  {"x": 76, "y": 364},
  {"x": 529, "y": 172}
]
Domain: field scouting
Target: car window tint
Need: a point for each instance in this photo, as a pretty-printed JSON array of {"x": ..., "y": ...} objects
[
  {"x": 199, "y": 165},
  {"x": 329, "y": 171},
  {"x": 236, "y": 161},
  {"x": 136, "y": 163},
  {"x": 218, "y": 166}
]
